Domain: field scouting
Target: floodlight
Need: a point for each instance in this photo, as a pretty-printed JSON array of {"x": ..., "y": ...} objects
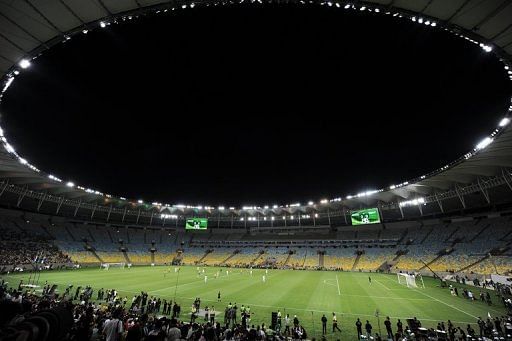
[
  {"x": 102, "y": 24},
  {"x": 70, "y": 184},
  {"x": 24, "y": 63},
  {"x": 504, "y": 121},
  {"x": 484, "y": 143}
]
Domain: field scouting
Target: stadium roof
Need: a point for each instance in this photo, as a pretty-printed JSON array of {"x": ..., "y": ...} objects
[{"x": 29, "y": 27}]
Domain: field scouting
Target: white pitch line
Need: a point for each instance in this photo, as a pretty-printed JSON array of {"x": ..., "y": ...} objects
[
  {"x": 382, "y": 284},
  {"x": 338, "y": 284},
  {"x": 446, "y": 304},
  {"x": 326, "y": 311}
]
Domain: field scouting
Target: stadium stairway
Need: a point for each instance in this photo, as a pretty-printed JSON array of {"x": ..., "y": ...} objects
[
  {"x": 305, "y": 257},
  {"x": 224, "y": 262},
  {"x": 206, "y": 253},
  {"x": 96, "y": 255},
  {"x": 506, "y": 235},
  {"x": 126, "y": 258},
  {"x": 474, "y": 263},
  {"x": 90, "y": 235},
  {"x": 356, "y": 261},
  {"x": 402, "y": 237},
  {"x": 66, "y": 227},
  {"x": 45, "y": 229},
  {"x": 287, "y": 259},
  {"x": 438, "y": 257},
  {"x": 452, "y": 234},
  {"x": 426, "y": 235},
  {"x": 479, "y": 233},
  {"x": 110, "y": 236},
  {"x": 255, "y": 259}
]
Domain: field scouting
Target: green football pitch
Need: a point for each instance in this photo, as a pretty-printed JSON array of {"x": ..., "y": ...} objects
[{"x": 307, "y": 294}]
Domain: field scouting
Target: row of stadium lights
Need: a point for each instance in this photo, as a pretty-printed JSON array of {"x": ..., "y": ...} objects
[{"x": 26, "y": 63}]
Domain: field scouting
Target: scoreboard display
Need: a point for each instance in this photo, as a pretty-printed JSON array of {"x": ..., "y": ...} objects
[
  {"x": 196, "y": 224},
  {"x": 364, "y": 217}
]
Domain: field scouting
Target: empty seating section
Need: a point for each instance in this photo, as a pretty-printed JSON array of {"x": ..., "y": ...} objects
[
  {"x": 481, "y": 245},
  {"x": 339, "y": 258}
]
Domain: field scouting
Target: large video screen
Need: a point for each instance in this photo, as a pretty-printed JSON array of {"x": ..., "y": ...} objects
[
  {"x": 196, "y": 224},
  {"x": 367, "y": 216}
]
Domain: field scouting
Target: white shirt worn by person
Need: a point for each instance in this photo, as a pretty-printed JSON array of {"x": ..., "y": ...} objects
[{"x": 113, "y": 329}]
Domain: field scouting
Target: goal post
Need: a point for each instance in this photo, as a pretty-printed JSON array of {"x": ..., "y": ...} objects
[
  {"x": 410, "y": 280},
  {"x": 106, "y": 266}
]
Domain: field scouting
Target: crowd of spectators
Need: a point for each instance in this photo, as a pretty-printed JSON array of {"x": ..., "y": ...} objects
[
  {"x": 21, "y": 249},
  {"x": 112, "y": 317}
]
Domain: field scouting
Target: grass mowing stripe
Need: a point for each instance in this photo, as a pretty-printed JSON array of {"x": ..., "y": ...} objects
[{"x": 309, "y": 294}]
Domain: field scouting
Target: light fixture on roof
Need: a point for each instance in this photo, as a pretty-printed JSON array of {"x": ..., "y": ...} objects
[
  {"x": 85, "y": 31},
  {"x": 504, "y": 121},
  {"x": 70, "y": 184},
  {"x": 102, "y": 24},
  {"x": 140, "y": 201},
  {"x": 484, "y": 143},
  {"x": 24, "y": 63},
  {"x": 310, "y": 203}
]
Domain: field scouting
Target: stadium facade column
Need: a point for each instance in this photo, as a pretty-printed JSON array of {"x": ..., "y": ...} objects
[
  {"x": 43, "y": 197},
  {"x": 401, "y": 210},
  {"x": 59, "y": 205},
  {"x": 77, "y": 208},
  {"x": 421, "y": 209},
  {"x": 329, "y": 216},
  {"x": 93, "y": 210},
  {"x": 344, "y": 210},
  {"x": 6, "y": 183},
  {"x": 503, "y": 172},
  {"x": 138, "y": 216},
  {"x": 21, "y": 196},
  {"x": 109, "y": 211},
  {"x": 439, "y": 203},
  {"x": 381, "y": 214},
  {"x": 151, "y": 218},
  {"x": 461, "y": 196},
  {"x": 124, "y": 214},
  {"x": 484, "y": 191}
]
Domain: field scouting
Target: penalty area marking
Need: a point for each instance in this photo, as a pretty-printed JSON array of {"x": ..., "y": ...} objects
[{"x": 338, "y": 284}]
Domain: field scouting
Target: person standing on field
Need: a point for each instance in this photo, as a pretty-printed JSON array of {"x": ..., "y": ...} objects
[
  {"x": 324, "y": 325},
  {"x": 359, "y": 328},
  {"x": 335, "y": 323}
]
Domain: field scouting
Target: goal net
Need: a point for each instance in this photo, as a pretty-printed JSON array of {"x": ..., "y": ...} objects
[
  {"x": 107, "y": 266},
  {"x": 410, "y": 280}
]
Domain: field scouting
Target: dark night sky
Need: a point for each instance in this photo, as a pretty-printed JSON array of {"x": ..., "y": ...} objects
[{"x": 253, "y": 105}]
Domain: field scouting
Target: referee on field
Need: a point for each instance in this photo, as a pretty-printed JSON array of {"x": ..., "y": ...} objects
[{"x": 335, "y": 323}]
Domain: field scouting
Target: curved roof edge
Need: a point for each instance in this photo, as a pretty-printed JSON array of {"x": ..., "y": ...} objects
[{"x": 29, "y": 27}]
